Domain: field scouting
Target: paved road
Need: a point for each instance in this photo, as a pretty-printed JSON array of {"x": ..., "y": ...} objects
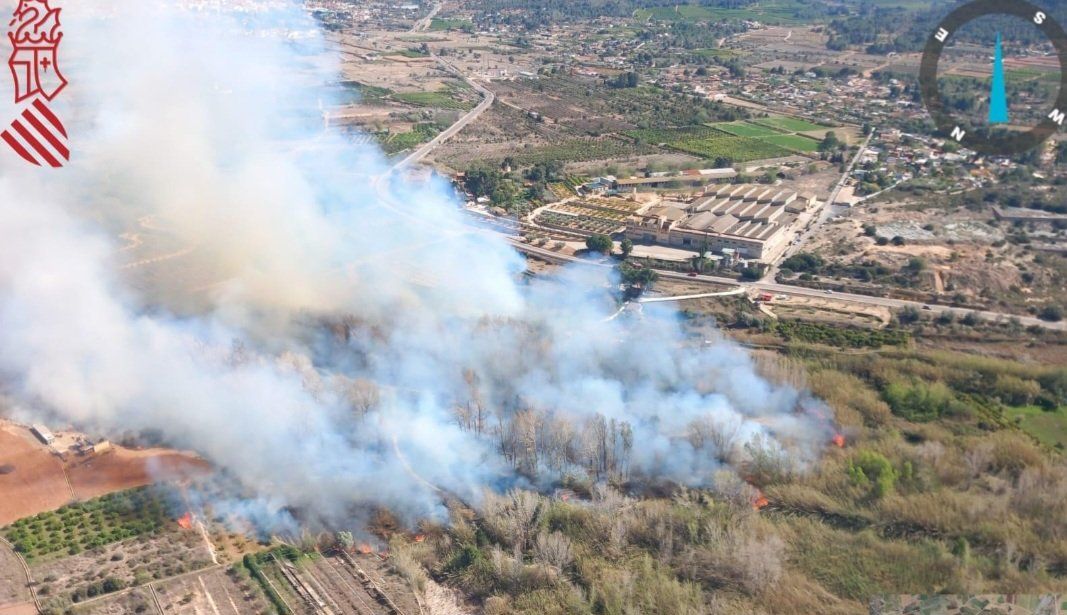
[
  {"x": 740, "y": 290},
  {"x": 425, "y": 22},
  {"x": 451, "y": 131},
  {"x": 798, "y": 291},
  {"x": 828, "y": 211},
  {"x": 763, "y": 285}
]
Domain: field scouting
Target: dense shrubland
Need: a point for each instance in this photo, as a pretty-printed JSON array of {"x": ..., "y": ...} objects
[{"x": 936, "y": 490}]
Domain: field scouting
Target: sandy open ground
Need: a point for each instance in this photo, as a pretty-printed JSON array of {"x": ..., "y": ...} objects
[
  {"x": 125, "y": 469},
  {"x": 31, "y": 477},
  {"x": 34, "y": 479}
]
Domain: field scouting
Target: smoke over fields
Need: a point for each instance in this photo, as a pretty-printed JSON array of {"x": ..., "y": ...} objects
[{"x": 332, "y": 321}]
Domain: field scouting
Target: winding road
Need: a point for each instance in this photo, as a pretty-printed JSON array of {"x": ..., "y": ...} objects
[{"x": 765, "y": 285}]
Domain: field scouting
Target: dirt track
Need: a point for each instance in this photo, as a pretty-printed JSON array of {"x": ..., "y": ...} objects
[{"x": 15, "y": 598}]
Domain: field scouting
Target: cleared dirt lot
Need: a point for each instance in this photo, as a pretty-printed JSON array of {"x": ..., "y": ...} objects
[
  {"x": 34, "y": 479},
  {"x": 31, "y": 477},
  {"x": 125, "y": 469}
]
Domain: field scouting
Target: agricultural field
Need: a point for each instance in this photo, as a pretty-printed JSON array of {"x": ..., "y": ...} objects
[
  {"x": 734, "y": 149},
  {"x": 746, "y": 129},
  {"x": 619, "y": 205},
  {"x": 579, "y": 223},
  {"x": 88, "y": 525},
  {"x": 1022, "y": 75},
  {"x": 789, "y": 124},
  {"x": 581, "y": 210},
  {"x": 577, "y": 150},
  {"x": 128, "y": 563},
  {"x": 567, "y": 188},
  {"x": 441, "y": 99},
  {"x": 397, "y": 142},
  {"x": 346, "y": 584},
  {"x": 438, "y": 24},
  {"x": 740, "y": 141},
  {"x": 93, "y": 548},
  {"x": 797, "y": 143},
  {"x": 367, "y": 93},
  {"x": 670, "y": 135},
  {"x": 771, "y": 12}
]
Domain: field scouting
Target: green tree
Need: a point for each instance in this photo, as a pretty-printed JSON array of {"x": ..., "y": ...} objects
[
  {"x": 627, "y": 247},
  {"x": 1051, "y": 313},
  {"x": 600, "y": 243},
  {"x": 830, "y": 142},
  {"x": 869, "y": 468}
]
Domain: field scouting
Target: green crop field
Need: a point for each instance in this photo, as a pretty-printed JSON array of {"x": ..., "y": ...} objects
[
  {"x": 441, "y": 25},
  {"x": 401, "y": 141},
  {"x": 439, "y": 100},
  {"x": 746, "y": 129},
  {"x": 794, "y": 142},
  {"x": 86, "y": 525},
  {"x": 721, "y": 53},
  {"x": 736, "y": 149},
  {"x": 670, "y": 135},
  {"x": 1023, "y": 75},
  {"x": 789, "y": 124},
  {"x": 576, "y": 150},
  {"x": 770, "y": 11}
]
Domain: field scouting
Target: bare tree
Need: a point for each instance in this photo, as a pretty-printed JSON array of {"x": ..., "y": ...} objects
[
  {"x": 722, "y": 435},
  {"x": 512, "y": 517},
  {"x": 554, "y": 549},
  {"x": 361, "y": 395}
]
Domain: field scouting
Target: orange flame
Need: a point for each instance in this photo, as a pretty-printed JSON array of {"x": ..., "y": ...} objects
[
  {"x": 760, "y": 501},
  {"x": 366, "y": 549},
  {"x": 839, "y": 440},
  {"x": 420, "y": 537},
  {"x": 186, "y": 521}
]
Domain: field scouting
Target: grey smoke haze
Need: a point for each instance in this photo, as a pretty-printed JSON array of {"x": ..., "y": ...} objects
[{"x": 194, "y": 119}]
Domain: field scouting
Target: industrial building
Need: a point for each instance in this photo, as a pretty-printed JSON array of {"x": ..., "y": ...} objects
[
  {"x": 693, "y": 177},
  {"x": 43, "y": 434},
  {"x": 750, "y": 220}
]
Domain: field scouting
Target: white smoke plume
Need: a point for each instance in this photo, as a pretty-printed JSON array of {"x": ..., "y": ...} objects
[{"x": 321, "y": 318}]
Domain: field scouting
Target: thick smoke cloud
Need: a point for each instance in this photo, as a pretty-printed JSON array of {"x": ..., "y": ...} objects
[{"x": 323, "y": 315}]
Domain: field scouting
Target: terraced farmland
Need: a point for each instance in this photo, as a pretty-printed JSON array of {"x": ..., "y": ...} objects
[
  {"x": 585, "y": 224},
  {"x": 603, "y": 214}
]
